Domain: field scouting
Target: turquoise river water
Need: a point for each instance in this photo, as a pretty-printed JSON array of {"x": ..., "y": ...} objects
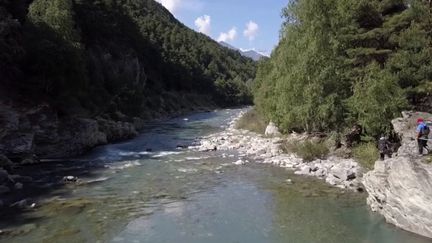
[{"x": 148, "y": 190}]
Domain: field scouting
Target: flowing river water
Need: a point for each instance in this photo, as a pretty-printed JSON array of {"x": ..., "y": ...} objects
[{"x": 148, "y": 190}]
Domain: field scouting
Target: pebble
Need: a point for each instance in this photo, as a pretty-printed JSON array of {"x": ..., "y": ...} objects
[{"x": 4, "y": 189}]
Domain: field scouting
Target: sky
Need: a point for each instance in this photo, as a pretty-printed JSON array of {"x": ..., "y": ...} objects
[{"x": 245, "y": 24}]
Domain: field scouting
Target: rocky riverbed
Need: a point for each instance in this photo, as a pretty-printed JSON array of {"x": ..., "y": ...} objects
[{"x": 339, "y": 172}]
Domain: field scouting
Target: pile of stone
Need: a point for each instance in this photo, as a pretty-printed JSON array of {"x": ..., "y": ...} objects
[{"x": 339, "y": 172}]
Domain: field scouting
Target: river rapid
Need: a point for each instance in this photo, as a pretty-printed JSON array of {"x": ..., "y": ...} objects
[{"x": 153, "y": 189}]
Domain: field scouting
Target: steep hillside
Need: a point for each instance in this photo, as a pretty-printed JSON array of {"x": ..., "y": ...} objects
[{"x": 116, "y": 60}]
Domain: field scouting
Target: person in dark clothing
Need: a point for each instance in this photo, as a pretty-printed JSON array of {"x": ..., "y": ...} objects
[
  {"x": 422, "y": 135},
  {"x": 384, "y": 148}
]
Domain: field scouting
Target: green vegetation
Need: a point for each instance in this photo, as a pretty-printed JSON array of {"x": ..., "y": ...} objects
[
  {"x": 97, "y": 57},
  {"x": 307, "y": 150},
  {"x": 252, "y": 121},
  {"x": 366, "y": 154},
  {"x": 345, "y": 62}
]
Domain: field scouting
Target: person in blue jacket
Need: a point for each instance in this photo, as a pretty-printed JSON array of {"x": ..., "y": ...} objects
[{"x": 422, "y": 135}]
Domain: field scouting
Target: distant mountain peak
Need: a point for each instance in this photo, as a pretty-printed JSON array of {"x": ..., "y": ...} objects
[{"x": 251, "y": 53}]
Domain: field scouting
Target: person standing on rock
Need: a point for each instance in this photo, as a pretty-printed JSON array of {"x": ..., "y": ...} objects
[
  {"x": 422, "y": 135},
  {"x": 384, "y": 148}
]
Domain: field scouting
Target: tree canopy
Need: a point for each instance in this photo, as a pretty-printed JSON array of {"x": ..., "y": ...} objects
[
  {"x": 345, "y": 62},
  {"x": 119, "y": 55}
]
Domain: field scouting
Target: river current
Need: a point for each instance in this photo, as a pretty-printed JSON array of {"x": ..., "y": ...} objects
[{"x": 149, "y": 189}]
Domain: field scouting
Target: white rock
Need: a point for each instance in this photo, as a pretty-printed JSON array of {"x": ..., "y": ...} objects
[
  {"x": 272, "y": 130},
  {"x": 239, "y": 162},
  {"x": 400, "y": 188}
]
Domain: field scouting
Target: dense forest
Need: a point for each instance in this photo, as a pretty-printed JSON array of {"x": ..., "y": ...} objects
[
  {"x": 92, "y": 57},
  {"x": 344, "y": 62}
]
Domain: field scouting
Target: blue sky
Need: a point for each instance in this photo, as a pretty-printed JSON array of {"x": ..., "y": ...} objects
[{"x": 245, "y": 24}]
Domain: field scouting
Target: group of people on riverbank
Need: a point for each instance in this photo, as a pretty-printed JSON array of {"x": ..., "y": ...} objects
[{"x": 422, "y": 136}]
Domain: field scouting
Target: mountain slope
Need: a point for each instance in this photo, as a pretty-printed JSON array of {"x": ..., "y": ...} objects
[
  {"x": 110, "y": 46},
  {"x": 254, "y": 55},
  {"x": 109, "y": 62}
]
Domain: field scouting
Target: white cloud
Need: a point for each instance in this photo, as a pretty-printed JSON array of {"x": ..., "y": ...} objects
[
  {"x": 171, "y": 5},
  {"x": 251, "y": 30},
  {"x": 228, "y": 36},
  {"x": 175, "y": 6},
  {"x": 203, "y": 24}
]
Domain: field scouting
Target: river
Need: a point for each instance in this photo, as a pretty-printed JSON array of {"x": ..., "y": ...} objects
[{"x": 148, "y": 190}]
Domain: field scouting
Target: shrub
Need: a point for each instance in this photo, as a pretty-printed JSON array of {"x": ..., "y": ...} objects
[
  {"x": 366, "y": 154},
  {"x": 307, "y": 150},
  {"x": 252, "y": 121}
]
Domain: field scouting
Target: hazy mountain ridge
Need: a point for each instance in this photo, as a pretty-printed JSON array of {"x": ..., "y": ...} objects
[{"x": 254, "y": 55}]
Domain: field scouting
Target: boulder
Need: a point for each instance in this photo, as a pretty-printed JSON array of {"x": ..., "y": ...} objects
[
  {"x": 304, "y": 170},
  {"x": 4, "y": 176},
  {"x": 272, "y": 130},
  {"x": 5, "y": 163},
  {"x": 345, "y": 170},
  {"x": 402, "y": 193},
  {"x": 400, "y": 188},
  {"x": 70, "y": 179},
  {"x": 239, "y": 162},
  {"x": 4, "y": 189},
  {"x": 18, "y": 186},
  {"x": 332, "y": 180}
]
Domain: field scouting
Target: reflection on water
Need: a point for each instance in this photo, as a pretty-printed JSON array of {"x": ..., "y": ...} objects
[{"x": 146, "y": 190}]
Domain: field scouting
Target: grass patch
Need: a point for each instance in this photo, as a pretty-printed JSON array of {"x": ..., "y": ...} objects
[
  {"x": 428, "y": 159},
  {"x": 366, "y": 154},
  {"x": 307, "y": 150},
  {"x": 252, "y": 121}
]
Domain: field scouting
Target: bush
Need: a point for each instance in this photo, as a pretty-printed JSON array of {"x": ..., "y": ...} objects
[
  {"x": 366, "y": 154},
  {"x": 307, "y": 150},
  {"x": 252, "y": 121}
]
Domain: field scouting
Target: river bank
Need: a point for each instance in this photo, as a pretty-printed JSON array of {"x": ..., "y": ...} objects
[
  {"x": 399, "y": 188},
  {"x": 33, "y": 134},
  {"x": 336, "y": 171}
]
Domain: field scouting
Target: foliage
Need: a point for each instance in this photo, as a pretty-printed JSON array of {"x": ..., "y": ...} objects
[
  {"x": 376, "y": 96},
  {"x": 252, "y": 121},
  {"x": 307, "y": 150},
  {"x": 366, "y": 154},
  {"x": 103, "y": 56},
  {"x": 345, "y": 62}
]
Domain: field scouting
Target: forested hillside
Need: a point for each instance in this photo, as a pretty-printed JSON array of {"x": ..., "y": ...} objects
[
  {"x": 79, "y": 73},
  {"x": 345, "y": 62},
  {"x": 93, "y": 57}
]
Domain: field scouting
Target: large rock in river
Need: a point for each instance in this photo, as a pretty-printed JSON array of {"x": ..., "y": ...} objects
[
  {"x": 400, "y": 188},
  {"x": 272, "y": 130}
]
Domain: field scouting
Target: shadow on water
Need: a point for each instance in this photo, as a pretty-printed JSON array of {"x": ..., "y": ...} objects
[{"x": 157, "y": 139}]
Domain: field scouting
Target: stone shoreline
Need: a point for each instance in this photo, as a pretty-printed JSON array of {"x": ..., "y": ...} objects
[
  {"x": 339, "y": 172},
  {"x": 399, "y": 188}
]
